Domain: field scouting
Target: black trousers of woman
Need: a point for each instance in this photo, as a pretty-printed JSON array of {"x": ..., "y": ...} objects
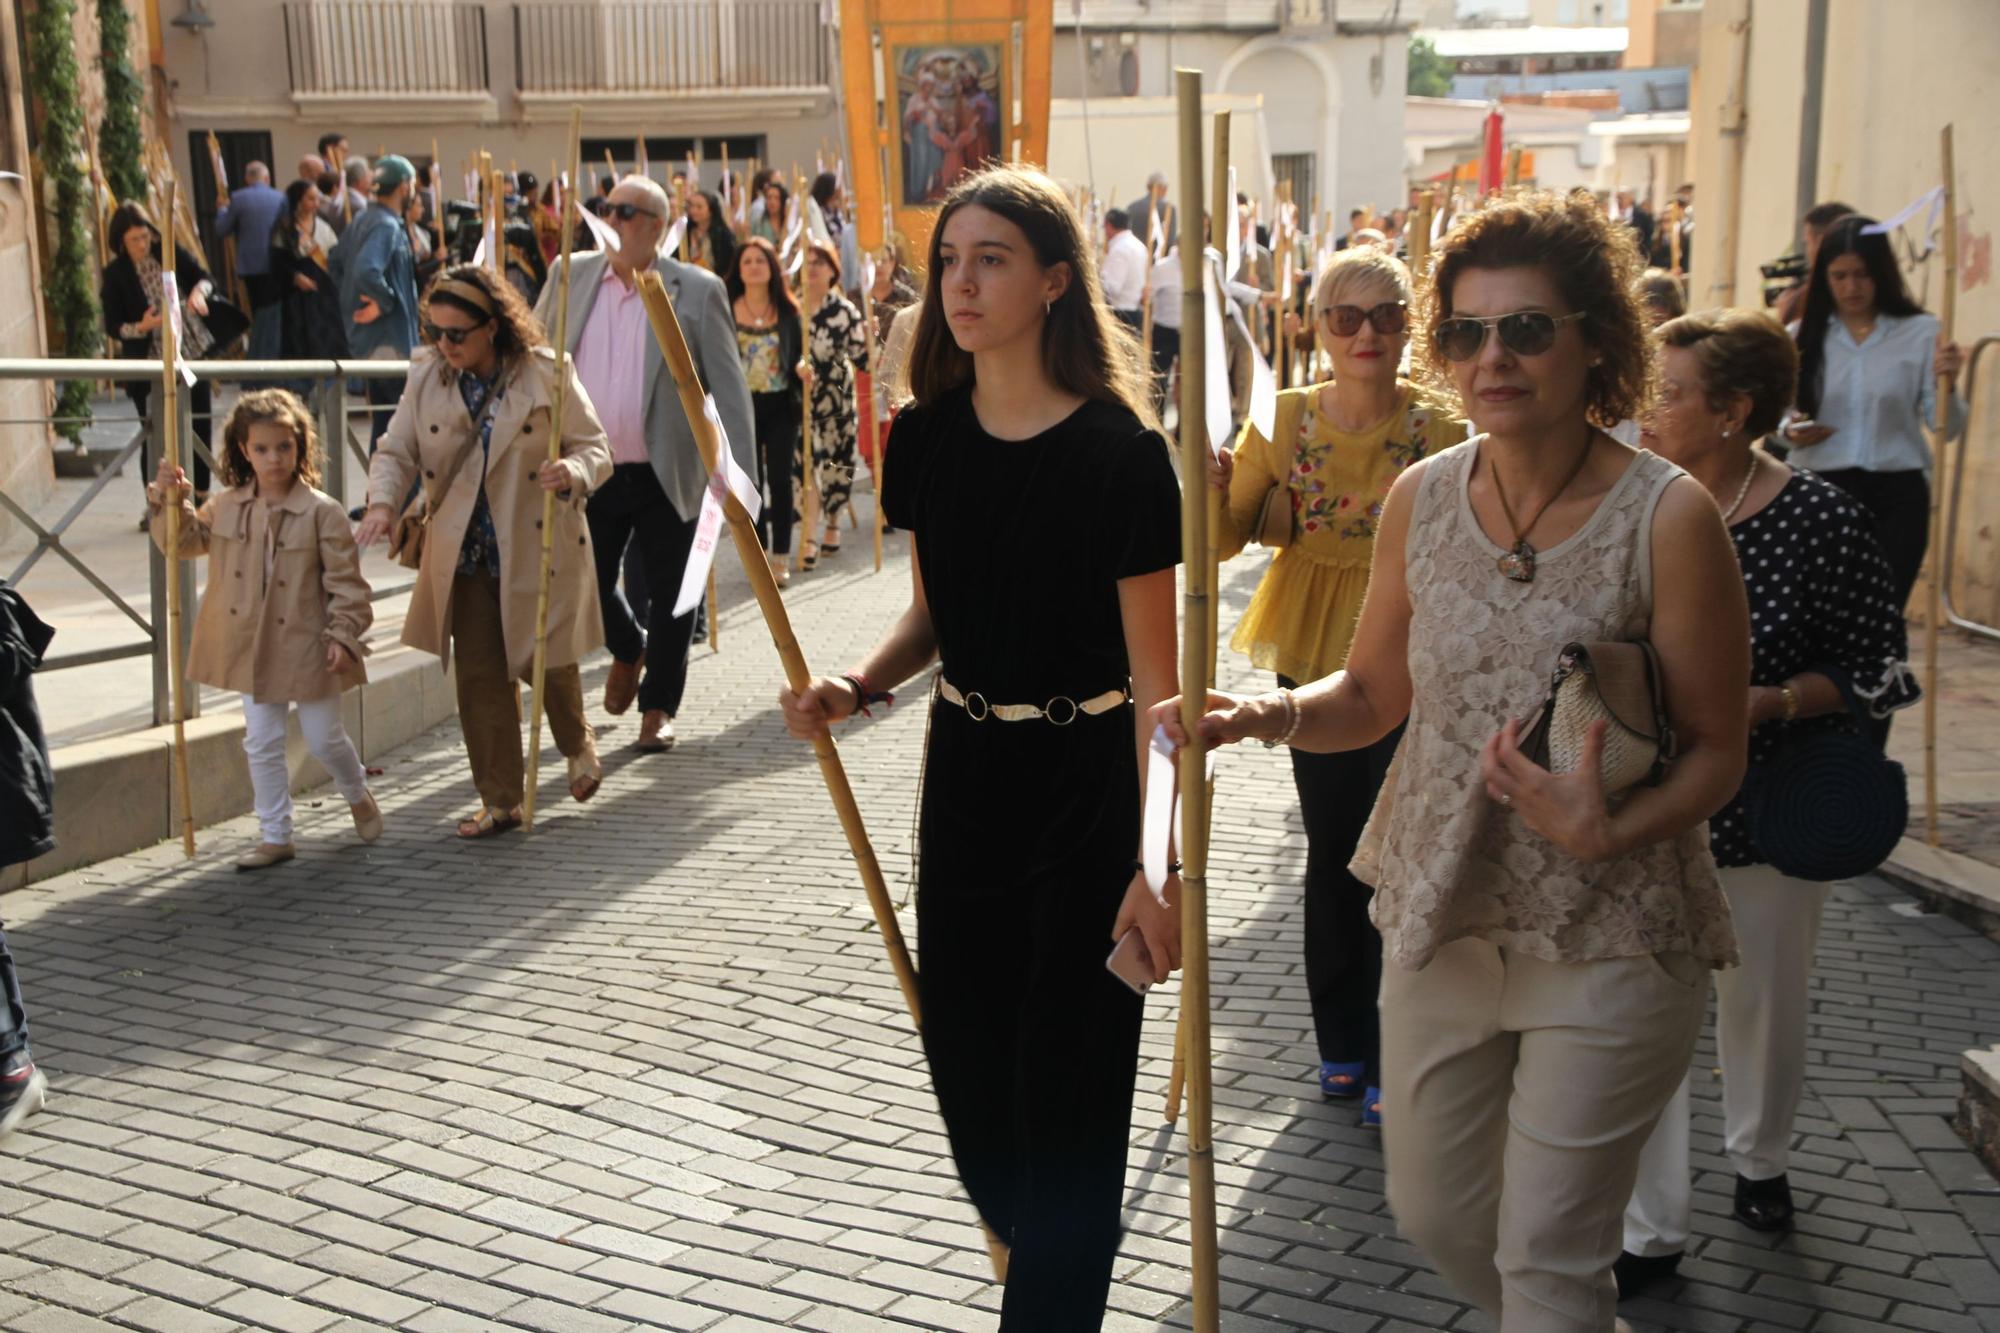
[
  {"x": 777, "y": 416},
  {"x": 1343, "y": 949},
  {"x": 1901, "y": 504},
  {"x": 200, "y": 406},
  {"x": 1028, "y": 836}
]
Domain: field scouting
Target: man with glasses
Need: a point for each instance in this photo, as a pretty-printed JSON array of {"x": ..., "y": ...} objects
[
  {"x": 654, "y": 495},
  {"x": 375, "y": 272}
]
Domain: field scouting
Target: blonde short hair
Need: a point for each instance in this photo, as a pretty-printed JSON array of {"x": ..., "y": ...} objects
[{"x": 1360, "y": 272}]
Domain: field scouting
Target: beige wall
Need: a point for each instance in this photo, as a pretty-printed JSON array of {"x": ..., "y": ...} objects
[{"x": 1890, "y": 84}]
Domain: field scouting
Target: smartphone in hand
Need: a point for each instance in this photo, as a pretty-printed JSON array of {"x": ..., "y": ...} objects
[{"x": 1131, "y": 962}]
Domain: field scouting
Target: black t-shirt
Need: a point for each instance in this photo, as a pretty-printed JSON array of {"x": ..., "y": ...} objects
[{"x": 1022, "y": 542}]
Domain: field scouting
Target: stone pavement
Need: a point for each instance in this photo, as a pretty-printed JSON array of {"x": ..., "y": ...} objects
[
  {"x": 649, "y": 1069},
  {"x": 1968, "y": 735}
]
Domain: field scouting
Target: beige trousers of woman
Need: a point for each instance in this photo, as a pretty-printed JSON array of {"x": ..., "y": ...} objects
[
  {"x": 1517, "y": 1094},
  {"x": 489, "y": 704}
]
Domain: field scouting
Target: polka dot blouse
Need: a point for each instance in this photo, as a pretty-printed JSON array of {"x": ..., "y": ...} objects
[{"x": 1821, "y": 599}]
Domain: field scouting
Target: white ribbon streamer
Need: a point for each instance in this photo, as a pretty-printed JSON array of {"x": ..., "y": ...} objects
[
  {"x": 1932, "y": 199},
  {"x": 607, "y": 239},
  {"x": 707, "y": 530},
  {"x": 1263, "y": 384},
  {"x": 740, "y": 483},
  {"x": 1218, "y": 358},
  {"x": 670, "y": 243},
  {"x": 1158, "y": 817},
  {"x": 170, "y": 296}
]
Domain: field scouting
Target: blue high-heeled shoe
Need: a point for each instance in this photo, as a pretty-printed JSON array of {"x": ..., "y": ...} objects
[
  {"x": 1341, "y": 1083},
  {"x": 1371, "y": 1109}
]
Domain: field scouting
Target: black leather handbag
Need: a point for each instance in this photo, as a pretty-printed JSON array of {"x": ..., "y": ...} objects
[{"x": 1829, "y": 805}]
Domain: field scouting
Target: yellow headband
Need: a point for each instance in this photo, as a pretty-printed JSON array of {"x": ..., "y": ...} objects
[{"x": 471, "y": 293}]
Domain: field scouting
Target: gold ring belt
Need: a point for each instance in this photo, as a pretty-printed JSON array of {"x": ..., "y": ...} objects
[{"x": 1059, "y": 711}]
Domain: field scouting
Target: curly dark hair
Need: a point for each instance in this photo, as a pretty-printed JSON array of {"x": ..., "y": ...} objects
[
  {"x": 283, "y": 407},
  {"x": 1740, "y": 352},
  {"x": 1593, "y": 261},
  {"x": 516, "y": 331}
]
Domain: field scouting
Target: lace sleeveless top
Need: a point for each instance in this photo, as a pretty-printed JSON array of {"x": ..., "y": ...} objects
[{"x": 1446, "y": 861}]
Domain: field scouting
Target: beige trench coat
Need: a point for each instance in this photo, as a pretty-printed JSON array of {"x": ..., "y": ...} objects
[
  {"x": 429, "y": 427},
  {"x": 262, "y": 636}
]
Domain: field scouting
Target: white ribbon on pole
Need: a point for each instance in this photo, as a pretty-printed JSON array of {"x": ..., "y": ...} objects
[
  {"x": 727, "y": 479},
  {"x": 1232, "y": 239},
  {"x": 1218, "y": 358},
  {"x": 1932, "y": 199},
  {"x": 670, "y": 243},
  {"x": 1158, "y": 816},
  {"x": 816, "y": 223},
  {"x": 170, "y": 296},
  {"x": 1263, "y": 412},
  {"x": 607, "y": 239},
  {"x": 741, "y": 484}
]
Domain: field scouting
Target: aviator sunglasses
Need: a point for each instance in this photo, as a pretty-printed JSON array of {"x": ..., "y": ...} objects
[
  {"x": 1524, "y": 333},
  {"x": 456, "y": 337},
  {"x": 1389, "y": 318},
  {"x": 626, "y": 212}
]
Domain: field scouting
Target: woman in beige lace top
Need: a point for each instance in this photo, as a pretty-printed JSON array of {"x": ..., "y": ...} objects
[{"x": 1547, "y": 949}]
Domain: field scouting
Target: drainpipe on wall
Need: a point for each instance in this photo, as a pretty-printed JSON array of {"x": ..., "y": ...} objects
[
  {"x": 1734, "y": 130},
  {"x": 1809, "y": 113}
]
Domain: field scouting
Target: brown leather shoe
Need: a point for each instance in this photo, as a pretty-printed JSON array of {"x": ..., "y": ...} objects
[
  {"x": 621, "y": 687},
  {"x": 656, "y": 732}
]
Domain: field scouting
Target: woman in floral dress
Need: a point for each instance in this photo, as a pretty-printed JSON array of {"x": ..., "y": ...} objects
[
  {"x": 1339, "y": 448},
  {"x": 839, "y": 342}
]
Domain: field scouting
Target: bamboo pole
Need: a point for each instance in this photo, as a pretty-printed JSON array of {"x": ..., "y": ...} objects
[
  {"x": 1934, "y": 585},
  {"x": 437, "y": 198},
  {"x": 673, "y": 345},
  {"x": 1420, "y": 234},
  {"x": 1198, "y": 647},
  {"x": 869, "y": 437},
  {"x": 170, "y": 439},
  {"x": 539, "y": 673},
  {"x": 809, "y": 529}
]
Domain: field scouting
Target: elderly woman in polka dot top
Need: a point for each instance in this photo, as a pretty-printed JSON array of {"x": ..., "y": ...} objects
[{"x": 1822, "y": 606}]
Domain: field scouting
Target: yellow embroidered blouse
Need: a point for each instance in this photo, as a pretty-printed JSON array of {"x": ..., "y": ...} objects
[{"x": 1300, "y": 622}]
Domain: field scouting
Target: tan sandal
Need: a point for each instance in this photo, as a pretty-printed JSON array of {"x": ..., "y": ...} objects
[
  {"x": 488, "y": 822},
  {"x": 586, "y": 774}
]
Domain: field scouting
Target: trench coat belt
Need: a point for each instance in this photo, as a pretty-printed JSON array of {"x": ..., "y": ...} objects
[{"x": 1059, "y": 711}]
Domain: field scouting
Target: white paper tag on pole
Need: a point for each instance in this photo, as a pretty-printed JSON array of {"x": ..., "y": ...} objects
[
  {"x": 1158, "y": 818},
  {"x": 1232, "y": 233},
  {"x": 1933, "y": 199},
  {"x": 1218, "y": 359},
  {"x": 868, "y": 273},
  {"x": 798, "y": 262},
  {"x": 1263, "y": 384},
  {"x": 707, "y": 531},
  {"x": 607, "y": 239},
  {"x": 739, "y": 482},
  {"x": 170, "y": 296},
  {"x": 816, "y": 222},
  {"x": 670, "y": 244}
]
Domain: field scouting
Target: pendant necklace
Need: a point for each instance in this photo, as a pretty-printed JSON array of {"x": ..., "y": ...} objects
[{"x": 1518, "y": 564}]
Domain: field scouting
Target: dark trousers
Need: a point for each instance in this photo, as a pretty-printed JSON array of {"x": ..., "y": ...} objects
[
  {"x": 1034, "y": 1049},
  {"x": 201, "y": 404},
  {"x": 778, "y": 417},
  {"x": 382, "y": 397},
  {"x": 13, "y": 1014},
  {"x": 1343, "y": 949},
  {"x": 1901, "y": 504},
  {"x": 1134, "y": 320},
  {"x": 632, "y": 507},
  {"x": 1166, "y": 346}
]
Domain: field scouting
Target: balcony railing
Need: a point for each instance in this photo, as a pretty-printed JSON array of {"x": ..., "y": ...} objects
[
  {"x": 655, "y": 46},
  {"x": 385, "y": 46}
]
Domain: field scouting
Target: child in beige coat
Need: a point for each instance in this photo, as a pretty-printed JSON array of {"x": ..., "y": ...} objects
[{"x": 286, "y": 606}]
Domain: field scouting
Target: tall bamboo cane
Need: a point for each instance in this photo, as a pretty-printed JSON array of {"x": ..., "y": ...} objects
[
  {"x": 538, "y": 675},
  {"x": 170, "y": 439},
  {"x": 808, "y": 435},
  {"x": 1198, "y": 647},
  {"x": 1934, "y": 590},
  {"x": 871, "y": 442},
  {"x": 673, "y": 345},
  {"x": 1221, "y": 215}
]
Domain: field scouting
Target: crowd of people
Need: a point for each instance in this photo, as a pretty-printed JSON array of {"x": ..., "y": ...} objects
[{"x": 1523, "y": 459}]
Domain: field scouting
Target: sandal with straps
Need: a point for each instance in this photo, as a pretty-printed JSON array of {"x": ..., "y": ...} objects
[
  {"x": 1371, "y": 1109},
  {"x": 1341, "y": 1082},
  {"x": 489, "y": 822},
  {"x": 586, "y": 774}
]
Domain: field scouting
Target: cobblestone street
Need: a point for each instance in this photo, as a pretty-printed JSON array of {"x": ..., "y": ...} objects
[{"x": 649, "y": 1069}]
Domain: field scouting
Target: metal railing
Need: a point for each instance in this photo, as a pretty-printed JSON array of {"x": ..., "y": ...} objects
[
  {"x": 654, "y": 46},
  {"x": 328, "y": 399},
  {"x": 386, "y": 46},
  {"x": 1951, "y": 615}
]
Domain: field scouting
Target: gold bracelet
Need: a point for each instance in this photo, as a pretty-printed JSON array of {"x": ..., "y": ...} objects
[{"x": 1791, "y": 698}]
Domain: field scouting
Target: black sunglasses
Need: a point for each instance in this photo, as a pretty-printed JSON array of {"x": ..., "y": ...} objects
[
  {"x": 456, "y": 337},
  {"x": 626, "y": 212},
  {"x": 1389, "y": 318},
  {"x": 1524, "y": 333}
]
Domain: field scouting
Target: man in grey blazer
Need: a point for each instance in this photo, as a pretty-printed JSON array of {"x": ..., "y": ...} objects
[{"x": 654, "y": 495}]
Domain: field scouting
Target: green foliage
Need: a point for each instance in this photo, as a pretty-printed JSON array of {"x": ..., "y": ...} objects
[
  {"x": 1430, "y": 73},
  {"x": 72, "y": 296},
  {"x": 120, "y": 144}
]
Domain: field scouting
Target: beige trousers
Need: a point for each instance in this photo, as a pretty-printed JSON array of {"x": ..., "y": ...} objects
[
  {"x": 489, "y": 703},
  {"x": 1516, "y": 1097}
]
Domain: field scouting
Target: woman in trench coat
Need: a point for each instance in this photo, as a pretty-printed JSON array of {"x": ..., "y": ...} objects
[{"x": 473, "y": 425}]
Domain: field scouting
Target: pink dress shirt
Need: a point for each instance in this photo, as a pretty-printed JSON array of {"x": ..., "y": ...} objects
[{"x": 611, "y": 362}]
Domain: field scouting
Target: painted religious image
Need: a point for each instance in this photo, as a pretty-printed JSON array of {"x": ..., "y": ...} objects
[{"x": 950, "y": 102}]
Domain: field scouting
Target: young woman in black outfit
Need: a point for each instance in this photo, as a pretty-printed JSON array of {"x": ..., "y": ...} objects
[
  {"x": 773, "y": 352},
  {"x": 1045, "y": 516}
]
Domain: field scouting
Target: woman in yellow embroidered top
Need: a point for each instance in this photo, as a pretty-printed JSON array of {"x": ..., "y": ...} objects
[{"x": 1340, "y": 447}]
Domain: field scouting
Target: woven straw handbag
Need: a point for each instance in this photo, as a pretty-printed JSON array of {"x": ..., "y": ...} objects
[{"x": 1616, "y": 683}]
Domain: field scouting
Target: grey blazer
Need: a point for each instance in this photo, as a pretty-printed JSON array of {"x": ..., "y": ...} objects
[{"x": 702, "y": 306}]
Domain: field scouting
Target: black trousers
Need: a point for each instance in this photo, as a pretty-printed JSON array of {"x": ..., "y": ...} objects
[
  {"x": 632, "y": 507},
  {"x": 201, "y": 404},
  {"x": 1901, "y": 504},
  {"x": 1343, "y": 949},
  {"x": 778, "y": 417},
  {"x": 1033, "y": 1045},
  {"x": 13, "y": 1013},
  {"x": 1166, "y": 346}
]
